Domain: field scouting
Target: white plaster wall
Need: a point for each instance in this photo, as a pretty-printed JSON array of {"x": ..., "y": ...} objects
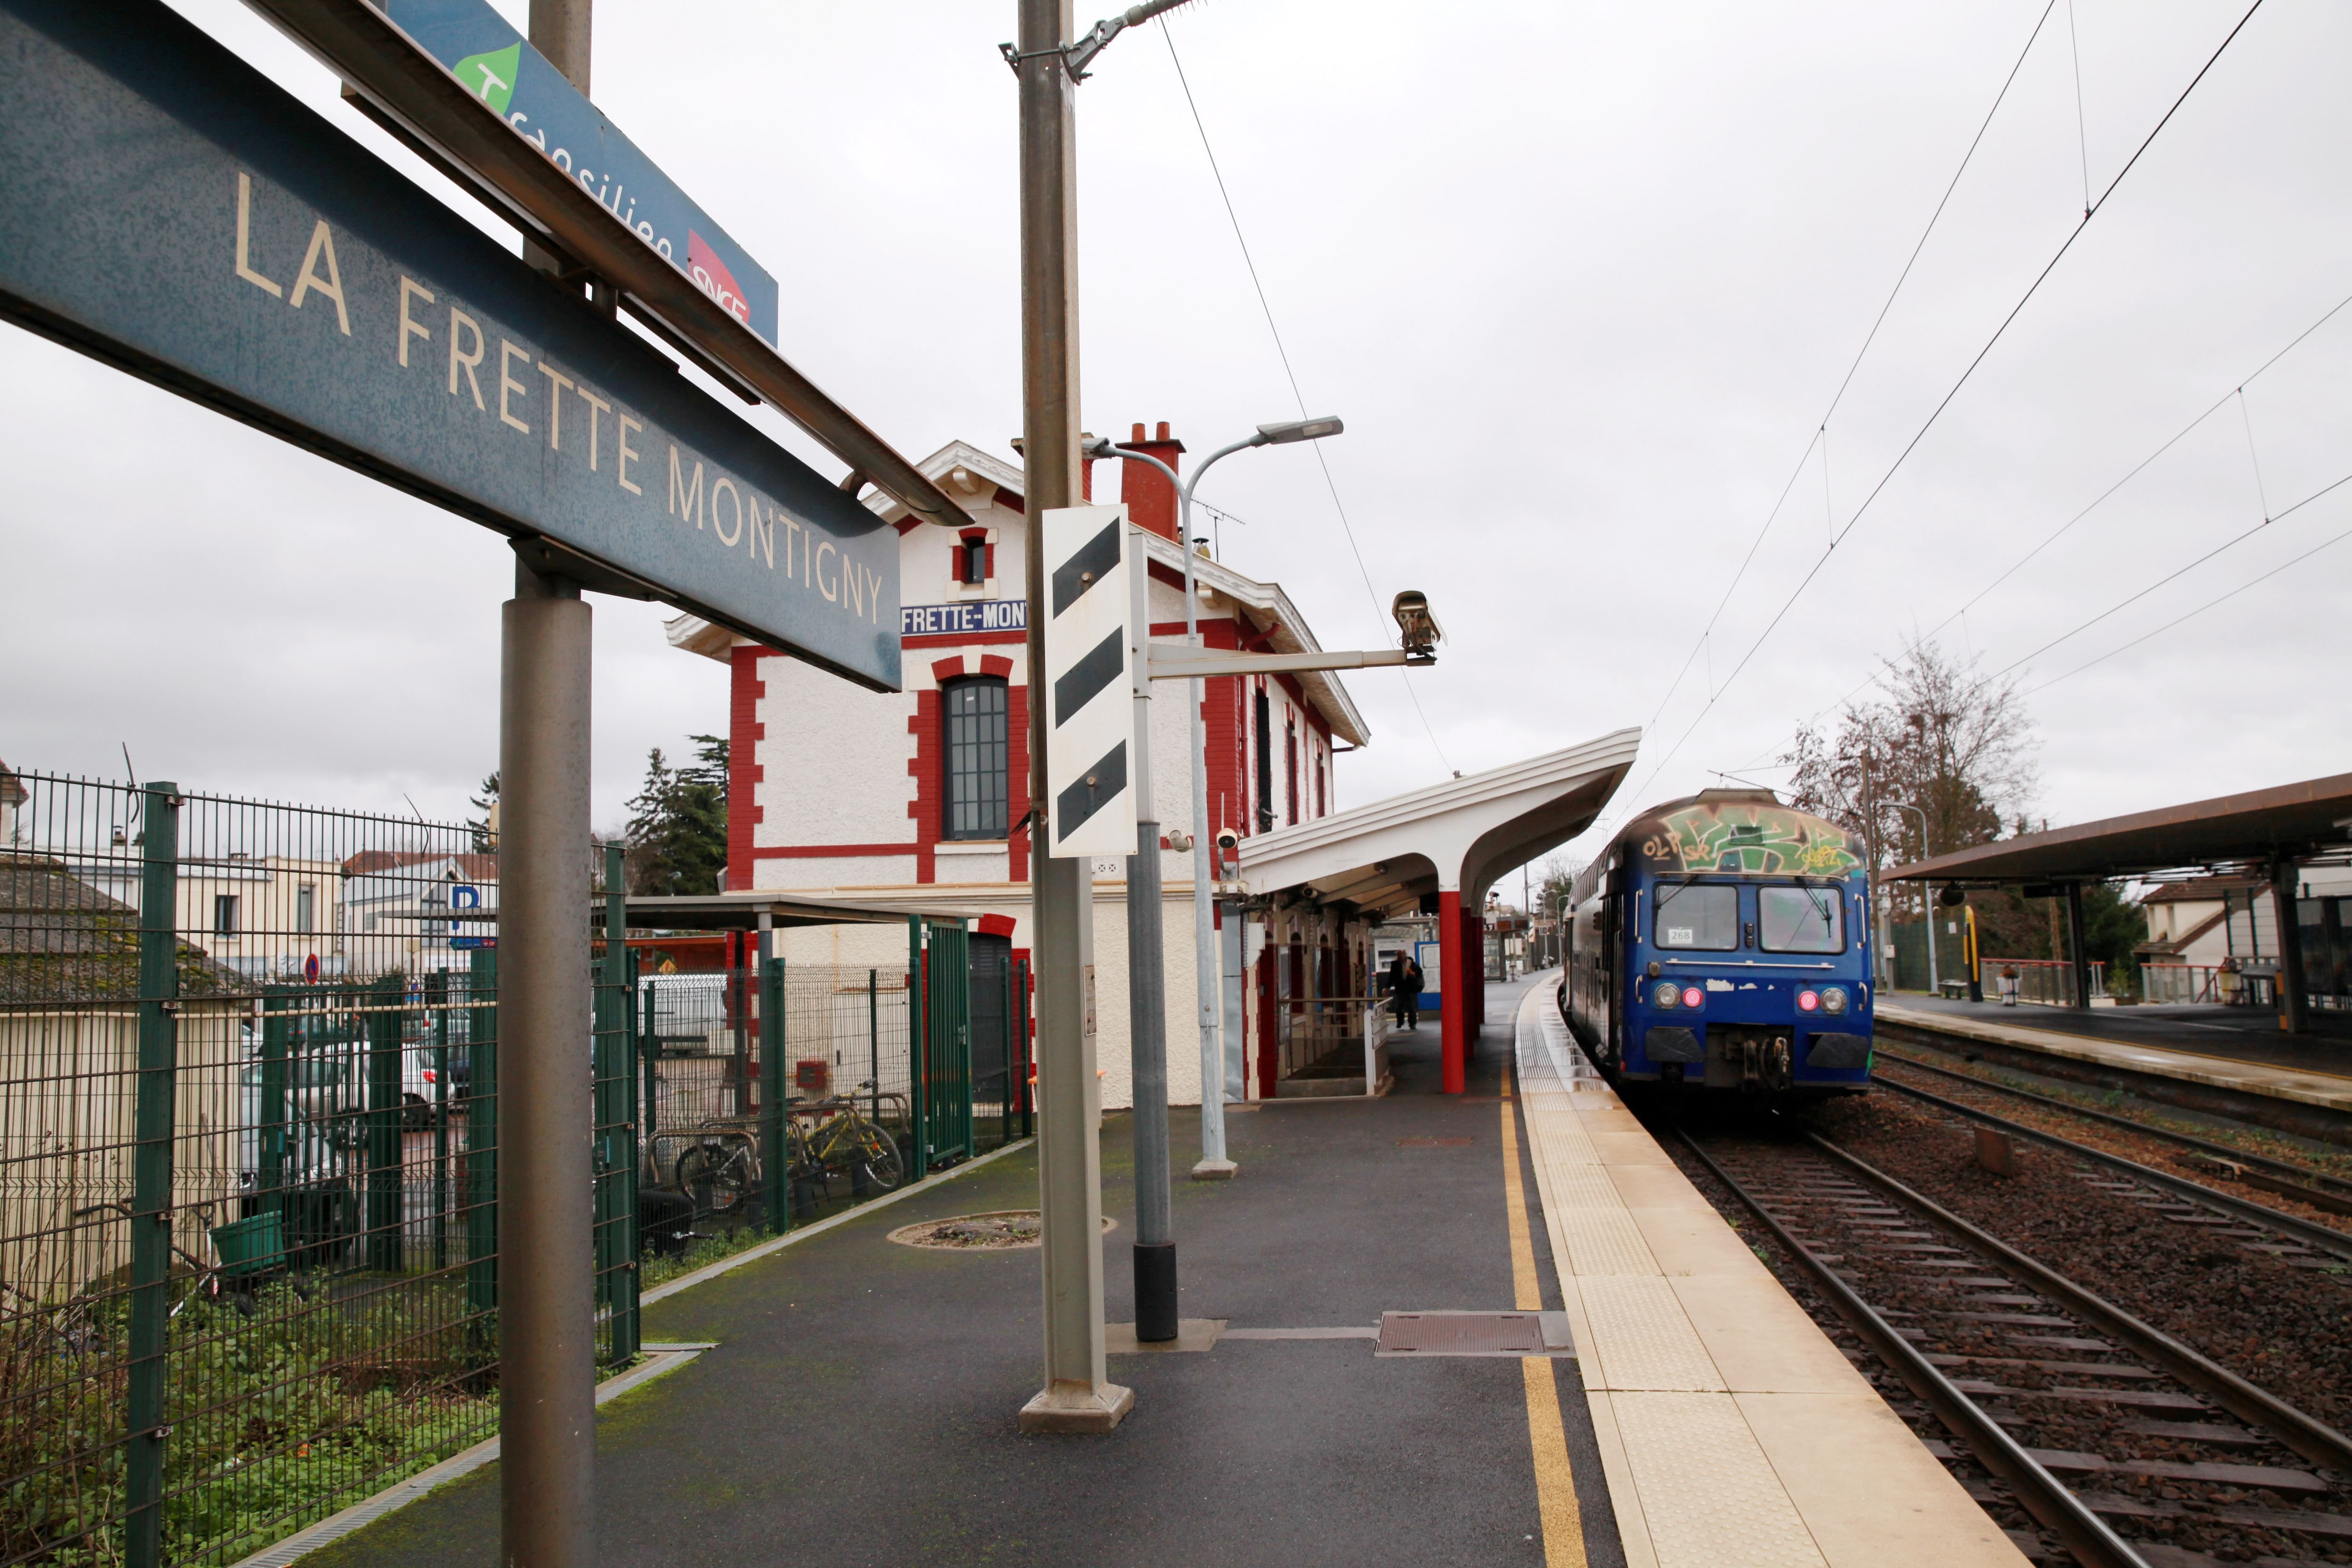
[
  {"x": 798, "y": 875},
  {"x": 836, "y": 762},
  {"x": 1113, "y": 1042},
  {"x": 955, "y": 864},
  {"x": 881, "y": 946}
]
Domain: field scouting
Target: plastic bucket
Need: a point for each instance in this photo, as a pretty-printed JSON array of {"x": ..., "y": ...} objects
[{"x": 252, "y": 1245}]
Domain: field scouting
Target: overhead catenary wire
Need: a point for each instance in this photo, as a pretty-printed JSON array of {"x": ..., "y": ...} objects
[
  {"x": 1820, "y": 432},
  {"x": 2237, "y": 392},
  {"x": 2191, "y": 615},
  {"x": 1936, "y": 414},
  {"x": 1291, "y": 375}
]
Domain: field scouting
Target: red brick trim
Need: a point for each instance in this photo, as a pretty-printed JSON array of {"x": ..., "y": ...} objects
[
  {"x": 996, "y": 665},
  {"x": 996, "y": 925},
  {"x": 1016, "y": 783},
  {"x": 928, "y": 769},
  {"x": 744, "y": 775},
  {"x": 948, "y": 668}
]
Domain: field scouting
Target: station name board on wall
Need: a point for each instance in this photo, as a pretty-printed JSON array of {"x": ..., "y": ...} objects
[
  {"x": 974, "y": 616},
  {"x": 167, "y": 209}
]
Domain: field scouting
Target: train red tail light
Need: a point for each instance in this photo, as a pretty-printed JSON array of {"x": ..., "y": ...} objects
[
  {"x": 1808, "y": 1001},
  {"x": 1692, "y": 997}
]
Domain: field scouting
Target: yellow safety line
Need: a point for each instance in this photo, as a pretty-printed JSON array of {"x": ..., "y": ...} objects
[{"x": 1563, "y": 1523}]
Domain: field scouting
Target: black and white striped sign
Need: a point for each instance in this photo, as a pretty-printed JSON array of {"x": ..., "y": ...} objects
[{"x": 1090, "y": 733}]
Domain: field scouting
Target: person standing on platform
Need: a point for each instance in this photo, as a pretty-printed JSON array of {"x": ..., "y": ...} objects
[
  {"x": 1394, "y": 979},
  {"x": 2009, "y": 985},
  {"x": 1410, "y": 990}
]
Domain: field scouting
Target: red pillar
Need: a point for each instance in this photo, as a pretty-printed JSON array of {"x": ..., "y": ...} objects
[{"x": 1454, "y": 992}]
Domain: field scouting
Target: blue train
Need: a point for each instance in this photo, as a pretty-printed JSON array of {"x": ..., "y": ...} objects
[{"x": 1722, "y": 940}]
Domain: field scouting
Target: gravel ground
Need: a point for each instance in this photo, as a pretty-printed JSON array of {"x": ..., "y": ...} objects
[{"x": 2286, "y": 1328}]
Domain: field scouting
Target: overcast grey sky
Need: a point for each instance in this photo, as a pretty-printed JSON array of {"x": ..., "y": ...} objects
[{"x": 1582, "y": 280}]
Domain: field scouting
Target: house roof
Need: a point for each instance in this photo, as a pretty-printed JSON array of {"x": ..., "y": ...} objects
[
  {"x": 2303, "y": 822},
  {"x": 1265, "y": 606},
  {"x": 2199, "y": 889},
  {"x": 371, "y": 862}
]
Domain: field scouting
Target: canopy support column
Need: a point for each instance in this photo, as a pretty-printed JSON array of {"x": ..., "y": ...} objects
[
  {"x": 1454, "y": 992},
  {"x": 2077, "y": 954},
  {"x": 2294, "y": 993}
]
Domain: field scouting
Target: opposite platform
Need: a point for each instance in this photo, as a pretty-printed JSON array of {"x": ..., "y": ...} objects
[
  {"x": 2095, "y": 1039},
  {"x": 1733, "y": 1434}
]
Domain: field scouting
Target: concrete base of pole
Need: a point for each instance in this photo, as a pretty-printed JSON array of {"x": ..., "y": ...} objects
[
  {"x": 1155, "y": 1291},
  {"x": 1077, "y": 1408},
  {"x": 1215, "y": 1171}
]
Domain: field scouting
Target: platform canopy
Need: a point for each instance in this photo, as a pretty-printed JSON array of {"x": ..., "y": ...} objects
[
  {"x": 1453, "y": 838},
  {"x": 2306, "y": 823}
]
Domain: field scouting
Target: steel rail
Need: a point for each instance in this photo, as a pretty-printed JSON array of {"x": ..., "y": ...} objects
[
  {"x": 2305, "y": 1433},
  {"x": 2334, "y": 1242},
  {"x": 427, "y": 107},
  {"x": 2301, "y": 1175},
  {"x": 2042, "y": 1494}
]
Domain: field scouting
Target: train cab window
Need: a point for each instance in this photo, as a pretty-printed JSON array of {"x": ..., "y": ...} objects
[
  {"x": 1701, "y": 915},
  {"x": 1800, "y": 919}
]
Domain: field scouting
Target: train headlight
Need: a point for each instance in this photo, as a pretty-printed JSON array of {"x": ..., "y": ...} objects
[
  {"x": 1692, "y": 997},
  {"x": 1667, "y": 995},
  {"x": 1808, "y": 1001},
  {"x": 1833, "y": 999}
]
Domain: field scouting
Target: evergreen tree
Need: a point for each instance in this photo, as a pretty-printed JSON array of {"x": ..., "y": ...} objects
[
  {"x": 678, "y": 823},
  {"x": 485, "y": 843}
]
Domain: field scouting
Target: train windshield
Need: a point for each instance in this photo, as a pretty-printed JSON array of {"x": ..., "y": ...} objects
[
  {"x": 1702, "y": 915},
  {"x": 1799, "y": 920}
]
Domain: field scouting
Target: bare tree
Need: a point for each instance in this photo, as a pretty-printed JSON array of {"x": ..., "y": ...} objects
[{"x": 1935, "y": 764}]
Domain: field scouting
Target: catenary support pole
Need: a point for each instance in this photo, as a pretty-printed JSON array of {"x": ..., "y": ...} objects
[
  {"x": 1078, "y": 1395},
  {"x": 547, "y": 1375},
  {"x": 1214, "y": 1164},
  {"x": 1146, "y": 989},
  {"x": 2078, "y": 955},
  {"x": 2293, "y": 997}
]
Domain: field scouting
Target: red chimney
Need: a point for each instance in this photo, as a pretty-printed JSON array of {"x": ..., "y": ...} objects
[{"x": 1150, "y": 498}]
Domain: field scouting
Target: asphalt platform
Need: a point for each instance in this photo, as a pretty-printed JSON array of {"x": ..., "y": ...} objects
[
  {"x": 2207, "y": 1029},
  {"x": 859, "y": 1408}
]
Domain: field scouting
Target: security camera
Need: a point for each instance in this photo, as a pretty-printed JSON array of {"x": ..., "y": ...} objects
[
  {"x": 1228, "y": 840},
  {"x": 1179, "y": 841},
  {"x": 1422, "y": 632},
  {"x": 1952, "y": 896}
]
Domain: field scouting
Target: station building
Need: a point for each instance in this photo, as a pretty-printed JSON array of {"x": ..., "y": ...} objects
[{"x": 919, "y": 798}]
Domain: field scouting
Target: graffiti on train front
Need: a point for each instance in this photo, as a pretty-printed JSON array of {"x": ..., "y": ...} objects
[{"x": 1752, "y": 839}]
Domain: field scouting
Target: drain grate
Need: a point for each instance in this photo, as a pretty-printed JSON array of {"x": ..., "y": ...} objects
[{"x": 1460, "y": 1333}]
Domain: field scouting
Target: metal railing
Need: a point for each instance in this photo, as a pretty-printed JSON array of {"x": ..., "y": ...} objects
[{"x": 2044, "y": 981}]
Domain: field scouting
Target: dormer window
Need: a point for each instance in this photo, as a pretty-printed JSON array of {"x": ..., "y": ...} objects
[{"x": 972, "y": 559}]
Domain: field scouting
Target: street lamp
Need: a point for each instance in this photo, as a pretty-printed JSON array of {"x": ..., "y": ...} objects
[
  {"x": 1935, "y": 981},
  {"x": 1213, "y": 1165}
]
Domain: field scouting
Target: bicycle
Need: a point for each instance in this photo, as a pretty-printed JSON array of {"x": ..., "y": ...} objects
[
  {"x": 846, "y": 1141},
  {"x": 208, "y": 1276},
  {"x": 720, "y": 1170}
]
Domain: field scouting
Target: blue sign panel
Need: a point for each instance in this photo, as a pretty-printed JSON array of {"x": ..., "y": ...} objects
[
  {"x": 166, "y": 208},
  {"x": 978, "y": 616},
  {"x": 498, "y": 65}
]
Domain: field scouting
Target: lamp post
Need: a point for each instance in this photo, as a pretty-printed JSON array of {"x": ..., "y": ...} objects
[
  {"x": 1926, "y": 904},
  {"x": 1213, "y": 1163}
]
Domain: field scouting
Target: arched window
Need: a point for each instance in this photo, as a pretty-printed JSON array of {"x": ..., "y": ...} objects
[{"x": 978, "y": 754}]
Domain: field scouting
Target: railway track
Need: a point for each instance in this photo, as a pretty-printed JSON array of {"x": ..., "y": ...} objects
[
  {"x": 2114, "y": 1442},
  {"x": 2304, "y": 1240}
]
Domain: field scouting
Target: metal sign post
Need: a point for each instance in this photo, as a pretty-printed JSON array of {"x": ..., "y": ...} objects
[{"x": 1078, "y": 1395}]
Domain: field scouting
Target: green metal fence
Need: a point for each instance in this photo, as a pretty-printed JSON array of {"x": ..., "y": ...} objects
[{"x": 249, "y": 1149}]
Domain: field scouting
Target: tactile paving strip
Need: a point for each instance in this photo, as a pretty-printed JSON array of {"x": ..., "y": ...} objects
[
  {"x": 1643, "y": 1338},
  {"x": 1709, "y": 1495},
  {"x": 1605, "y": 1241}
]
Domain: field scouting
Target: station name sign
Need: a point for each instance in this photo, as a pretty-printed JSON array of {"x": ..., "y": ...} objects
[
  {"x": 498, "y": 65},
  {"x": 166, "y": 208},
  {"x": 974, "y": 616}
]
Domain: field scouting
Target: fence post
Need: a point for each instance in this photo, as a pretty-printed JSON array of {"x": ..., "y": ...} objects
[
  {"x": 383, "y": 1033},
  {"x": 1021, "y": 1055},
  {"x": 918, "y": 1053},
  {"x": 874, "y": 1045},
  {"x": 482, "y": 1137},
  {"x": 776, "y": 1161},
  {"x": 437, "y": 999},
  {"x": 649, "y": 1050},
  {"x": 150, "y": 1189},
  {"x": 616, "y": 1087},
  {"x": 270, "y": 1119}
]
